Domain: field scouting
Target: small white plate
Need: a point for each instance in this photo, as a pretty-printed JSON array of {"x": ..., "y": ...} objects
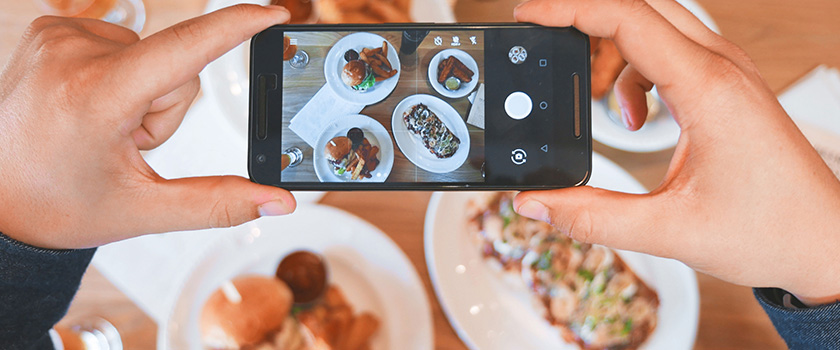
[
  {"x": 411, "y": 145},
  {"x": 466, "y": 59},
  {"x": 334, "y": 65},
  {"x": 493, "y": 309},
  {"x": 657, "y": 135},
  {"x": 376, "y": 135},
  {"x": 374, "y": 274}
]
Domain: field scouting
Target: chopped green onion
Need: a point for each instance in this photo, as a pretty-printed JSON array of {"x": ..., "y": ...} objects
[
  {"x": 544, "y": 262},
  {"x": 628, "y": 326},
  {"x": 586, "y": 274}
]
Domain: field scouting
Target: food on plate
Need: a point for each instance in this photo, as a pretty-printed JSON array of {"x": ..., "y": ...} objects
[
  {"x": 357, "y": 75},
  {"x": 262, "y": 309},
  {"x": 358, "y": 158},
  {"x": 364, "y": 11},
  {"x": 306, "y": 275},
  {"x": 366, "y": 68},
  {"x": 607, "y": 64},
  {"x": 263, "y": 316},
  {"x": 450, "y": 68},
  {"x": 586, "y": 290},
  {"x": 436, "y": 137}
]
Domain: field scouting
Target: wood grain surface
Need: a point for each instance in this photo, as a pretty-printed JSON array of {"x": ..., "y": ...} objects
[{"x": 785, "y": 39}]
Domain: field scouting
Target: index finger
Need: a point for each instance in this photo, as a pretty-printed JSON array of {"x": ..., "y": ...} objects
[
  {"x": 170, "y": 58},
  {"x": 645, "y": 38}
]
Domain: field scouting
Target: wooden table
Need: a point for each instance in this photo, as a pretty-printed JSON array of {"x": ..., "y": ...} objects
[
  {"x": 300, "y": 85},
  {"x": 785, "y": 39}
]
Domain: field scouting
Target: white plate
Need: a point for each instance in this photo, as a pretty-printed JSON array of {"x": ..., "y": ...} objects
[
  {"x": 466, "y": 59},
  {"x": 492, "y": 309},
  {"x": 376, "y": 135},
  {"x": 370, "y": 269},
  {"x": 660, "y": 134},
  {"x": 334, "y": 65},
  {"x": 225, "y": 80},
  {"x": 411, "y": 145}
]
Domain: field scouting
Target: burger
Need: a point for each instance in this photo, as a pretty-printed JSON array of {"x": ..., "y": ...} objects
[
  {"x": 337, "y": 152},
  {"x": 358, "y": 75}
]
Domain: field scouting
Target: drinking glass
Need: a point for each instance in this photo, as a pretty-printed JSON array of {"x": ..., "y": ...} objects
[
  {"x": 87, "y": 334},
  {"x": 291, "y": 157},
  {"x": 127, "y": 13}
]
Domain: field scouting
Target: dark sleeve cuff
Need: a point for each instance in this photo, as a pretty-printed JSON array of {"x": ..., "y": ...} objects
[
  {"x": 36, "y": 287},
  {"x": 802, "y": 328}
]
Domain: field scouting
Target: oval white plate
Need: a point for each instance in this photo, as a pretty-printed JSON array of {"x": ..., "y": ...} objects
[
  {"x": 334, "y": 65},
  {"x": 466, "y": 59},
  {"x": 370, "y": 269},
  {"x": 376, "y": 135},
  {"x": 225, "y": 80},
  {"x": 411, "y": 145},
  {"x": 660, "y": 134},
  {"x": 492, "y": 309}
]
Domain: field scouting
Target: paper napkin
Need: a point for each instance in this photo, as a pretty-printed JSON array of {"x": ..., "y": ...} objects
[{"x": 319, "y": 112}]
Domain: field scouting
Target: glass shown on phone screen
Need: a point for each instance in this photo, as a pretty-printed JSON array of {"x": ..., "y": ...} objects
[{"x": 385, "y": 106}]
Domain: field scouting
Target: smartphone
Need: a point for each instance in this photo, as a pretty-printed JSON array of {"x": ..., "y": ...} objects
[{"x": 419, "y": 107}]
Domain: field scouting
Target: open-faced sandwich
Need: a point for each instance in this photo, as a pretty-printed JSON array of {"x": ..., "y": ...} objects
[
  {"x": 433, "y": 133},
  {"x": 366, "y": 68},
  {"x": 588, "y": 292}
]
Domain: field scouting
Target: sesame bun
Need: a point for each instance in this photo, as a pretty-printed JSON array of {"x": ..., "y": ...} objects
[{"x": 265, "y": 304}]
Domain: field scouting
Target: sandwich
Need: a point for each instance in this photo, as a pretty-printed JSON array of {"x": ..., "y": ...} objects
[
  {"x": 337, "y": 152},
  {"x": 358, "y": 75}
]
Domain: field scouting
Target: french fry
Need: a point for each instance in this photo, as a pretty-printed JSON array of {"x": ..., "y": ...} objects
[
  {"x": 364, "y": 57},
  {"x": 447, "y": 69},
  {"x": 387, "y": 12},
  {"x": 361, "y": 17},
  {"x": 363, "y": 327},
  {"x": 384, "y": 47},
  {"x": 379, "y": 71},
  {"x": 351, "y": 5},
  {"x": 384, "y": 60},
  {"x": 358, "y": 169}
]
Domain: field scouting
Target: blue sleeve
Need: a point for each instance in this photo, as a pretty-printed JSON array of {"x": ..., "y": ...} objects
[
  {"x": 36, "y": 287},
  {"x": 802, "y": 328}
]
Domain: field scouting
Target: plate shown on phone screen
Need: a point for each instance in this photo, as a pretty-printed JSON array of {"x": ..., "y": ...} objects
[
  {"x": 411, "y": 145},
  {"x": 334, "y": 65},
  {"x": 465, "y": 58}
]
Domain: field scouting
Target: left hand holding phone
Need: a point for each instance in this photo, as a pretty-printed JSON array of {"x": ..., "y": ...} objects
[{"x": 79, "y": 100}]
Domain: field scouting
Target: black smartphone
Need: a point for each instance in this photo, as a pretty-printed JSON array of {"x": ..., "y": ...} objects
[{"x": 419, "y": 107}]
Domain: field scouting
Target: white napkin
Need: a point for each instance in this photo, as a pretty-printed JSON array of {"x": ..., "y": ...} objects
[
  {"x": 476, "y": 115},
  {"x": 814, "y": 104},
  {"x": 319, "y": 112}
]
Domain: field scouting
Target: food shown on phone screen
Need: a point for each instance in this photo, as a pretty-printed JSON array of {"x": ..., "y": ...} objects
[
  {"x": 366, "y": 68},
  {"x": 452, "y": 72},
  {"x": 259, "y": 312},
  {"x": 352, "y": 154},
  {"x": 585, "y": 290},
  {"x": 434, "y": 134}
]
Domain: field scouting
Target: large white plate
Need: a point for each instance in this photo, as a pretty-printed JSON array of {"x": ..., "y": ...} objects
[
  {"x": 466, "y": 59},
  {"x": 225, "y": 80},
  {"x": 659, "y": 134},
  {"x": 334, "y": 65},
  {"x": 376, "y": 135},
  {"x": 412, "y": 147},
  {"x": 371, "y": 270},
  {"x": 492, "y": 309}
]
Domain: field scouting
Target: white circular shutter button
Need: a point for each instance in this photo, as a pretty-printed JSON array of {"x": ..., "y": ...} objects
[{"x": 518, "y": 105}]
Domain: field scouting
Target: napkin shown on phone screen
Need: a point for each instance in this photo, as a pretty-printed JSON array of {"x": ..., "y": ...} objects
[{"x": 322, "y": 109}]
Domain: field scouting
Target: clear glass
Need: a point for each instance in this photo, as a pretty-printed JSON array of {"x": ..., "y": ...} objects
[
  {"x": 292, "y": 156},
  {"x": 300, "y": 59},
  {"x": 127, "y": 13},
  {"x": 88, "y": 333}
]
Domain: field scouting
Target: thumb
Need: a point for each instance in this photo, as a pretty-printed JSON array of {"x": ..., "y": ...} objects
[
  {"x": 593, "y": 215},
  {"x": 215, "y": 201}
]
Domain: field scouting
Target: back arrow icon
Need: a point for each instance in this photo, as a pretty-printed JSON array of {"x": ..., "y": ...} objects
[{"x": 544, "y": 148}]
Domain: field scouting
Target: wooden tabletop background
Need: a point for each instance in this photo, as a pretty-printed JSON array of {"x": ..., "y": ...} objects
[{"x": 785, "y": 39}]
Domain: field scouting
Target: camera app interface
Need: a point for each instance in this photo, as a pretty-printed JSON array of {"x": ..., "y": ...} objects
[{"x": 383, "y": 106}]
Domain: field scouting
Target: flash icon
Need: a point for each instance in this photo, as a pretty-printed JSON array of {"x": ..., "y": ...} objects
[{"x": 474, "y": 40}]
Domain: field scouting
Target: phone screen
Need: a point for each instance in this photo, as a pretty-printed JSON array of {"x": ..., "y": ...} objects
[{"x": 422, "y": 107}]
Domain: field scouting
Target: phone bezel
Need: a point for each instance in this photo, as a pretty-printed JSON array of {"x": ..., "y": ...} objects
[{"x": 255, "y": 146}]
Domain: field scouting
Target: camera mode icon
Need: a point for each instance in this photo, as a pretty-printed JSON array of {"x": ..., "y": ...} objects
[{"x": 518, "y": 156}]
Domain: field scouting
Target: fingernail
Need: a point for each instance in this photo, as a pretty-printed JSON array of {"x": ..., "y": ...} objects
[
  {"x": 625, "y": 118},
  {"x": 274, "y": 208},
  {"x": 534, "y": 210}
]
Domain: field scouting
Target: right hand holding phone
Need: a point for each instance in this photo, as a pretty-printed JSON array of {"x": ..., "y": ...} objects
[{"x": 745, "y": 198}]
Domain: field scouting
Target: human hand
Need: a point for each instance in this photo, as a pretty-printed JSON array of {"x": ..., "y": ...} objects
[
  {"x": 80, "y": 98},
  {"x": 746, "y": 198}
]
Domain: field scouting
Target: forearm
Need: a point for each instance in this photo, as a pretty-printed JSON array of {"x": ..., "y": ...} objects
[
  {"x": 37, "y": 286},
  {"x": 801, "y": 327}
]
